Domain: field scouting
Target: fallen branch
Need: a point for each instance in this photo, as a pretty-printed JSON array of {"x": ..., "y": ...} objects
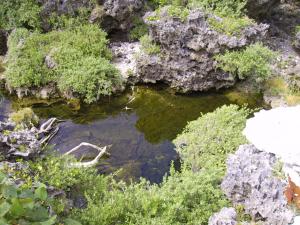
[
  {"x": 91, "y": 163},
  {"x": 47, "y": 126}
]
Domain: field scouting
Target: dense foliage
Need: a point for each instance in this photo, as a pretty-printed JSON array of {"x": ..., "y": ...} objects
[
  {"x": 23, "y": 206},
  {"x": 254, "y": 61},
  {"x": 206, "y": 142},
  {"x": 189, "y": 196},
  {"x": 75, "y": 61},
  {"x": 20, "y": 13},
  {"x": 182, "y": 198}
]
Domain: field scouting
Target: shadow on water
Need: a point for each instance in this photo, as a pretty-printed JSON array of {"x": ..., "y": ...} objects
[{"x": 140, "y": 125}]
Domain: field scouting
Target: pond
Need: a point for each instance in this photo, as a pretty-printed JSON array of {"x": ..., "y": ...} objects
[{"x": 139, "y": 125}]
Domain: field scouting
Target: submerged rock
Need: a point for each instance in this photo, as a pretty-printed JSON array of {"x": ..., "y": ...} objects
[
  {"x": 186, "y": 61},
  {"x": 250, "y": 182}
]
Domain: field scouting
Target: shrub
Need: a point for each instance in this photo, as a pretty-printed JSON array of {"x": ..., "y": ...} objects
[
  {"x": 232, "y": 8},
  {"x": 206, "y": 141},
  {"x": 23, "y": 206},
  {"x": 54, "y": 170},
  {"x": 148, "y": 46},
  {"x": 78, "y": 58},
  {"x": 182, "y": 198},
  {"x": 139, "y": 29},
  {"x": 81, "y": 17},
  {"x": 253, "y": 61},
  {"x": 19, "y": 13},
  {"x": 24, "y": 116},
  {"x": 229, "y": 25}
]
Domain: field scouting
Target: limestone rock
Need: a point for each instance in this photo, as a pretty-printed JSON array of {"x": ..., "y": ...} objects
[
  {"x": 276, "y": 131},
  {"x": 124, "y": 57},
  {"x": 187, "y": 49},
  {"x": 250, "y": 181},
  {"x": 117, "y": 15},
  {"x": 227, "y": 216}
]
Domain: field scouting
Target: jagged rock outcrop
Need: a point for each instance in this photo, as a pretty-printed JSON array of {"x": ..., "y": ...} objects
[
  {"x": 118, "y": 14},
  {"x": 124, "y": 57},
  {"x": 250, "y": 181},
  {"x": 227, "y": 216},
  {"x": 110, "y": 14},
  {"x": 186, "y": 61},
  {"x": 66, "y": 7}
]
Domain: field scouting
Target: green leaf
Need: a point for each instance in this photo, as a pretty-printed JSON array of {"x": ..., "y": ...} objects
[
  {"x": 9, "y": 191},
  {"x": 70, "y": 221},
  {"x": 4, "y": 208},
  {"x": 3, "y": 221},
  {"x": 26, "y": 194},
  {"x": 16, "y": 208},
  {"x": 51, "y": 221},
  {"x": 37, "y": 214},
  {"x": 27, "y": 203},
  {"x": 41, "y": 193}
]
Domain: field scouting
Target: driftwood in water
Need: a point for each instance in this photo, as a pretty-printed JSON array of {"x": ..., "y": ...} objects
[{"x": 91, "y": 163}]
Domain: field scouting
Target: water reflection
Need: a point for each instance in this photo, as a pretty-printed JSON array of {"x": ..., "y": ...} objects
[{"x": 139, "y": 125}]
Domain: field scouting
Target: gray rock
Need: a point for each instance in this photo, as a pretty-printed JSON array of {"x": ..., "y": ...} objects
[
  {"x": 187, "y": 49},
  {"x": 64, "y": 7},
  {"x": 227, "y": 216},
  {"x": 249, "y": 181}
]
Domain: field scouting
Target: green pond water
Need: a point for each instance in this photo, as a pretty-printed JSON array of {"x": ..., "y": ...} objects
[{"x": 140, "y": 125}]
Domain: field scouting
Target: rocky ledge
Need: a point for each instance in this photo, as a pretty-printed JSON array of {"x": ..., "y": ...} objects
[
  {"x": 187, "y": 49},
  {"x": 264, "y": 177}
]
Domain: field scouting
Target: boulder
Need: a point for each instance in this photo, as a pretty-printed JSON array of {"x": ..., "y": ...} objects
[
  {"x": 186, "y": 61},
  {"x": 110, "y": 14},
  {"x": 250, "y": 181}
]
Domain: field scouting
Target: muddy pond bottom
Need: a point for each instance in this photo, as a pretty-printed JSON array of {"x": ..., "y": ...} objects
[{"x": 139, "y": 125}]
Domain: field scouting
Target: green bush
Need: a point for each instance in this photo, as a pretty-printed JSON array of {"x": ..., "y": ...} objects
[
  {"x": 148, "y": 46},
  {"x": 70, "y": 21},
  {"x": 79, "y": 57},
  {"x": 254, "y": 61},
  {"x": 182, "y": 198},
  {"x": 19, "y": 13},
  {"x": 23, "y": 206},
  {"x": 55, "y": 171},
  {"x": 206, "y": 142},
  {"x": 25, "y": 117},
  {"x": 229, "y": 25},
  {"x": 139, "y": 29},
  {"x": 232, "y": 8}
]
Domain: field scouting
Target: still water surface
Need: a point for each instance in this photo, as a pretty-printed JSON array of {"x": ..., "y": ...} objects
[{"x": 140, "y": 125}]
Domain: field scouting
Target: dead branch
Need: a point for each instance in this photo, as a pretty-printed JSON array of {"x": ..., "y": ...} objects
[{"x": 91, "y": 163}]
